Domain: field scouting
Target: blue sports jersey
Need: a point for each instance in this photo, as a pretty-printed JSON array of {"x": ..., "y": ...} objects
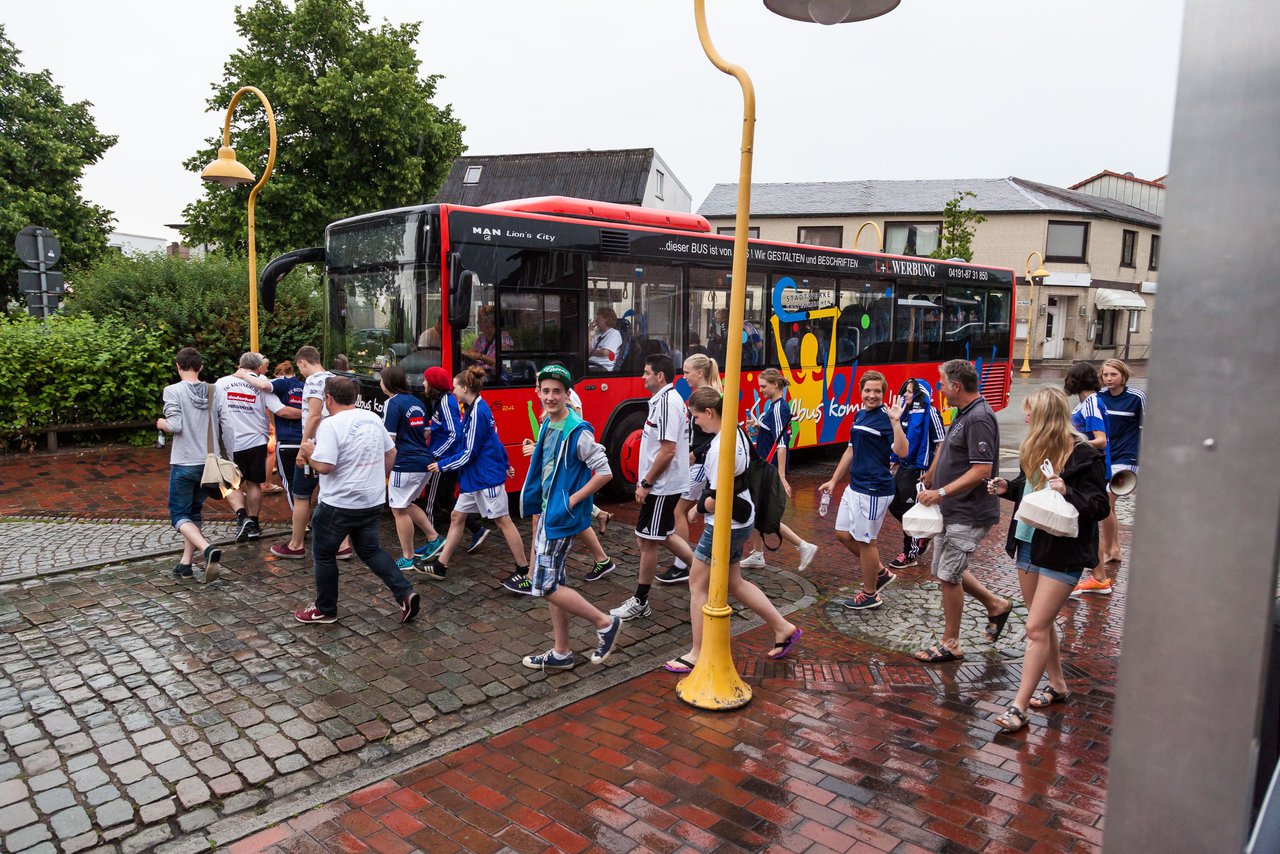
[
  {"x": 446, "y": 427},
  {"x": 479, "y": 456},
  {"x": 1089, "y": 417},
  {"x": 774, "y": 428},
  {"x": 871, "y": 438},
  {"x": 406, "y": 417},
  {"x": 922, "y": 425},
  {"x": 289, "y": 390},
  {"x": 1124, "y": 413}
]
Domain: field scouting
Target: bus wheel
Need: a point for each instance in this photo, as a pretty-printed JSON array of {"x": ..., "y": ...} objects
[{"x": 624, "y": 455}]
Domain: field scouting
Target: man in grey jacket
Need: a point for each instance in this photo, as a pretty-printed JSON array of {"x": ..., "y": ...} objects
[{"x": 186, "y": 416}]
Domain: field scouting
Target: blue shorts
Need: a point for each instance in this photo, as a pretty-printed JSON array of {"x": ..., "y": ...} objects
[
  {"x": 547, "y": 572},
  {"x": 736, "y": 542},
  {"x": 186, "y": 495},
  {"x": 303, "y": 484},
  {"x": 1023, "y": 561}
]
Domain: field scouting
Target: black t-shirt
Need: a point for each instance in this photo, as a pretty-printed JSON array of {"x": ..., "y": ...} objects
[
  {"x": 699, "y": 442},
  {"x": 972, "y": 438}
]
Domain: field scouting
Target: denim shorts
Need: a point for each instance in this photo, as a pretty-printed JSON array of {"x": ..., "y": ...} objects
[
  {"x": 186, "y": 496},
  {"x": 737, "y": 540},
  {"x": 1023, "y": 561}
]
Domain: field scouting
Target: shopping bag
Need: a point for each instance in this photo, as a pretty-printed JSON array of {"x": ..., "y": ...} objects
[
  {"x": 922, "y": 521},
  {"x": 1048, "y": 511},
  {"x": 220, "y": 476}
]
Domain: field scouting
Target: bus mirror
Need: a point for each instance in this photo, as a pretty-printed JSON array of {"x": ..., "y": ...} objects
[
  {"x": 460, "y": 299},
  {"x": 280, "y": 267}
]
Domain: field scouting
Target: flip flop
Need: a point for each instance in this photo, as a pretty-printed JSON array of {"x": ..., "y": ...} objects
[
  {"x": 995, "y": 625},
  {"x": 937, "y": 654},
  {"x": 678, "y": 665},
  {"x": 781, "y": 648}
]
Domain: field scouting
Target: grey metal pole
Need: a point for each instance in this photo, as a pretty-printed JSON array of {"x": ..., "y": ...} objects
[{"x": 1203, "y": 578}]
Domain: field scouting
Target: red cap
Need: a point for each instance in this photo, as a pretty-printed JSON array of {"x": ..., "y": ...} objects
[{"x": 438, "y": 378}]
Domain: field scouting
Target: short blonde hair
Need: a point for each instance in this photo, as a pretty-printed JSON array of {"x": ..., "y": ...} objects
[{"x": 1117, "y": 365}]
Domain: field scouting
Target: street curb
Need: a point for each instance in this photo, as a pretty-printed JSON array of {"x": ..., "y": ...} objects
[{"x": 234, "y": 828}]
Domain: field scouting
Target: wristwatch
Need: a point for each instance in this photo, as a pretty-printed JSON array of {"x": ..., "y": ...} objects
[
  {"x": 644, "y": 484},
  {"x": 942, "y": 492}
]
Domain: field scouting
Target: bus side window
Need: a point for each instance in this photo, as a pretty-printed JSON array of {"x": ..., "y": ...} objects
[
  {"x": 612, "y": 342},
  {"x": 917, "y": 324}
]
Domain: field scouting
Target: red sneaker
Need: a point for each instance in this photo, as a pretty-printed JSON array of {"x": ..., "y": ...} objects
[
  {"x": 283, "y": 550},
  {"x": 309, "y": 614},
  {"x": 344, "y": 554}
]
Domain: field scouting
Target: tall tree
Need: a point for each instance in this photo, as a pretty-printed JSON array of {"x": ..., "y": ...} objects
[
  {"x": 357, "y": 127},
  {"x": 958, "y": 226},
  {"x": 45, "y": 145}
]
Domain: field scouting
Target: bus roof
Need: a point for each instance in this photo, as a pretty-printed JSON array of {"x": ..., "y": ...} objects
[{"x": 609, "y": 211}]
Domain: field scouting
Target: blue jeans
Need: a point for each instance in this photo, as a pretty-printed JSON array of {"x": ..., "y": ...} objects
[
  {"x": 329, "y": 526},
  {"x": 186, "y": 496}
]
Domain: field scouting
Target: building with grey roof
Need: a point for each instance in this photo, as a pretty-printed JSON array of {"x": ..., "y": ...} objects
[{"x": 1102, "y": 254}]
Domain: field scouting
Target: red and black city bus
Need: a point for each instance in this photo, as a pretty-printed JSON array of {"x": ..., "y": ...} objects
[{"x": 518, "y": 284}]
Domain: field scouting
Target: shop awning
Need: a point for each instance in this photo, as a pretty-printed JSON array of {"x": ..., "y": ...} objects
[{"x": 1109, "y": 299}]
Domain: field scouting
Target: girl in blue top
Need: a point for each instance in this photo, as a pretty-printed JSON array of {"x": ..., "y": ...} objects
[
  {"x": 405, "y": 418},
  {"x": 1089, "y": 417},
  {"x": 1126, "y": 409},
  {"x": 483, "y": 468},
  {"x": 443, "y": 434},
  {"x": 773, "y": 436}
]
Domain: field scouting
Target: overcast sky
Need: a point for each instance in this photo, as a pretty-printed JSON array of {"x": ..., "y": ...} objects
[{"x": 1052, "y": 92}]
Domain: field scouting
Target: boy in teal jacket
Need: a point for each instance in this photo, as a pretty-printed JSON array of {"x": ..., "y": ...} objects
[{"x": 567, "y": 468}]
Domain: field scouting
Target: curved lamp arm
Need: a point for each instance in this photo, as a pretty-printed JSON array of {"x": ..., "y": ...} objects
[{"x": 879, "y": 235}]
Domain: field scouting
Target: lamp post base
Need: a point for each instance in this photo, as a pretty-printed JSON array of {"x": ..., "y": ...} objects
[{"x": 714, "y": 683}]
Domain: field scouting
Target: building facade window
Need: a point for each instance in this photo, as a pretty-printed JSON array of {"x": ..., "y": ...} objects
[
  {"x": 821, "y": 235},
  {"x": 660, "y": 183},
  {"x": 1068, "y": 242},
  {"x": 1153, "y": 263},
  {"x": 912, "y": 238},
  {"x": 1128, "y": 247},
  {"x": 1134, "y": 320},
  {"x": 753, "y": 231}
]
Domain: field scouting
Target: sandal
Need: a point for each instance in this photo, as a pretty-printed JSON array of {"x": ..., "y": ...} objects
[
  {"x": 1013, "y": 720},
  {"x": 1047, "y": 696},
  {"x": 678, "y": 665},
  {"x": 995, "y": 625},
  {"x": 781, "y": 648},
  {"x": 937, "y": 654}
]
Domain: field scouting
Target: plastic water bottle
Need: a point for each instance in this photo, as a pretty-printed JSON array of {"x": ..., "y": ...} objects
[
  {"x": 825, "y": 504},
  {"x": 159, "y": 438}
]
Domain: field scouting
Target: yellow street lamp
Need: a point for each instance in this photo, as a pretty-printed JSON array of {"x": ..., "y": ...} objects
[
  {"x": 714, "y": 682},
  {"x": 1038, "y": 276},
  {"x": 879, "y": 235},
  {"x": 229, "y": 172}
]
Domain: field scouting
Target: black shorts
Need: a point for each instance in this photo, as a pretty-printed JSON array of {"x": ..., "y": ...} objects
[
  {"x": 286, "y": 462},
  {"x": 253, "y": 463},
  {"x": 657, "y": 519},
  {"x": 904, "y": 490}
]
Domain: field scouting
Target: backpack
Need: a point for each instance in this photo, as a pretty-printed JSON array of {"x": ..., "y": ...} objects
[{"x": 765, "y": 485}]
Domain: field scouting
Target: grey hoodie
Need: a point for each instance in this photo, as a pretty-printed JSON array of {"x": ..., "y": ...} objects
[{"x": 186, "y": 409}]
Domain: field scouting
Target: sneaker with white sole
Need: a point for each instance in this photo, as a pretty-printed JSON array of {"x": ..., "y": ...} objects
[
  {"x": 409, "y": 607},
  {"x": 310, "y": 614},
  {"x": 243, "y": 526},
  {"x": 631, "y": 609},
  {"x": 183, "y": 570},
  {"x": 884, "y": 578},
  {"x": 1088, "y": 584},
  {"x": 255, "y": 530},
  {"x": 600, "y": 570},
  {"x": 608, "y": 640},
  {"x": 430, "y": 549},
  {"x": 755, "y": 560},
  {"x": 344, "y": 554},
  {"x": 519, "y": 583},
  {"x": 673, "y": 575},
  {"x": 404, "y": 564},
  {"x": 212, "y": 564},
  {"x": 283, "y": 550},
  {"x": 549, "y": 661},
  {"x": 432, "y": 568},
  {"x": 864, "y": 601},
  {"x": 808, "y": 551},
  {"x": 903, "y": 560},
  {"x": 477, "y": 539}
]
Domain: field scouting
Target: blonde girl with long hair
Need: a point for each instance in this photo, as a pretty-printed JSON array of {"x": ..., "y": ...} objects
[
  {"x": 1048, "y": 566},
  {"x": 773, "y": 435},
  {"x": 700, "y": 371}
]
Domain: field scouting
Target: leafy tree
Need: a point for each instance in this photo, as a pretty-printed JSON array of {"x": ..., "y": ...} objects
[
  {"x": 201, "y": 303},
  {"x": 357, "y": 127},
  {"x": 958, "y": 226},
  {"x": 45, "y": 145}
]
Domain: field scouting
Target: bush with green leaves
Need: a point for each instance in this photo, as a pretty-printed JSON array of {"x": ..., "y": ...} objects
[
  {"x": 202, "y": 303},
  {"x": 78, "y": 370}
]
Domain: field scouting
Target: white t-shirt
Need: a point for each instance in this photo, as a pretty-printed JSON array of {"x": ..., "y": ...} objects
[
  {"x": 242, "y": 412},
  {"x": 314, "y": 388},
  {"x": 355, "y": 443},
  {"x": 575, "y": 402},
  {"x": 611, "y": 340},
  {"x": 666, "y": 421},
  {"x": 739, "y": 467}
]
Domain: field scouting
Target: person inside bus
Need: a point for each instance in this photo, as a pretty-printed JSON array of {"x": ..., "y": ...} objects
[
  {"x": 484, "y": 349},
  {"x": 606, "y": 343},
  {"x": 430, "y": 339}
]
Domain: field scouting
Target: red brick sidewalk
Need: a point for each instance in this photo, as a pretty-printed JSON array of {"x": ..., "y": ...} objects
[{"x": 846, "y": 747}]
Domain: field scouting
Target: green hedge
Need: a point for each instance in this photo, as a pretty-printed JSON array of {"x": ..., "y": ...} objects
[
  {"x": 200, "y": 303},
  {"x": 77, "y": 370}
]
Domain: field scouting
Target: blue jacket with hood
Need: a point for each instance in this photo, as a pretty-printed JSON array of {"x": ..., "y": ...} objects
[
  {"x": 479, "y": 456},
  {"x": 578, "y": 458},
  {"x": 922, "y": 426}
]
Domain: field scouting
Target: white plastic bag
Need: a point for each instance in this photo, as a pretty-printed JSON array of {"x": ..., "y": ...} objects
[
  {"x": 1048, "y": 511},
  {"x": 922, "y": 521}
]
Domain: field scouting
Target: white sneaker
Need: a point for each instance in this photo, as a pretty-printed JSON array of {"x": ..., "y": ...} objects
[
  {"x": 754, "y": 560},
  {"x": 807, "y": 553},
  {"x": 631, "y": 609}
]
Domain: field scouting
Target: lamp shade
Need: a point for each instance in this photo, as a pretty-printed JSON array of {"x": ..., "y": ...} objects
[
  {"x": 831, "y": 11},
  {"x": 1040, "y": 274},
  {"x": 226, "y": 170}
]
